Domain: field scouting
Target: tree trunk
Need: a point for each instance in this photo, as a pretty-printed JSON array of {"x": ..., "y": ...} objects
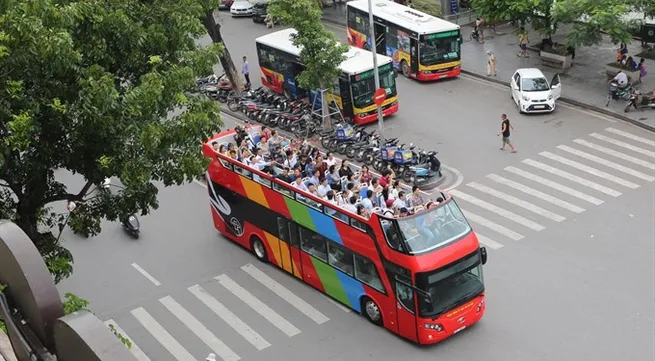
[{"x": 214, "y": 31}]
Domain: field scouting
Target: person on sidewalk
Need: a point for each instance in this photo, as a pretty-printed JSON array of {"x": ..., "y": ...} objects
[
  {"x": 504, "y": 131},
  {"x": 245, "y": 70},
  {"x": 491, "y": 64},
  {"x": 523, "y": 44},
  {"x": 478, "y": 29},
  {"x": 642, "y": 69}
]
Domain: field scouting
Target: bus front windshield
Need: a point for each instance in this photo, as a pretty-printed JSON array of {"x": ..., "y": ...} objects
[
  {"x": 364, "y": 89},
  {"x": 433, "y": 228},
  {"x": 439, "y": 50},
  {"x": 450, "y": 286}
]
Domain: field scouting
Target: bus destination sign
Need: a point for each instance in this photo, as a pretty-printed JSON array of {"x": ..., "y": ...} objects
[
  {"x": 371, "y": 73},
  {"x": 441, "y": 35}
]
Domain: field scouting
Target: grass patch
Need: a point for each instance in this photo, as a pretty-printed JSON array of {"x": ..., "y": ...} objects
[{"x": 431, "y": 7}]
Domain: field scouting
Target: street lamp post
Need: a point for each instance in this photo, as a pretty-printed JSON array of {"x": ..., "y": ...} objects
[{"x": 375, "y": 65}]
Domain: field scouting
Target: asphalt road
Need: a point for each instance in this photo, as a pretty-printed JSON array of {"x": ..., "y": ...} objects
[{"x": 570, "y": 273}]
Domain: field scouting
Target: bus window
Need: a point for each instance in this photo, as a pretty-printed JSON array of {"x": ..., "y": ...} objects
[
  {"x": 244, "y": 172},
  {"x": 366, "y": 272},
  {"x": 392, "y": 235},
  {"x": 262, "y": 54},
  {"x": 357, "y": 21},
  {"x": 283, "y": 230},
  {"x": 405, "y": 296},
  {"x": 314, "y": 244},
  {"x": 340, "y": 258}
]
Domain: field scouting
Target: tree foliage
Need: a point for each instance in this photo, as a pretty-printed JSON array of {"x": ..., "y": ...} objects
[
  {"x": 321, "y": 52},
  {"x": 590, "y": 18},
  {"x": 90, "y": 86}
]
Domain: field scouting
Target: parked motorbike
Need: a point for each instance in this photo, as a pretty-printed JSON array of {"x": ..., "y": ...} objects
[
  {"x": 616, "y": 93},
  {"x": 641, "y": 101},
  {"x": 424, "y": 172}
]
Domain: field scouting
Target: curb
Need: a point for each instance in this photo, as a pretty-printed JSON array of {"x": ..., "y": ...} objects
[{"x": 573, "y": 102}]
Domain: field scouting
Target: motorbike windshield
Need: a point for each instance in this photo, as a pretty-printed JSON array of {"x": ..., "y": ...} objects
[
  {"x": 364, "y": 89},
  {"x": 433, "y": 228},
  {"x": 133, "y": 221}
]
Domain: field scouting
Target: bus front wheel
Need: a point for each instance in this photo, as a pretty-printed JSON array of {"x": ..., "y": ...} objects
[
  {"x": 405, "y": 68},
  {"x": 258, "y": 249},
  {"x": 371, "y": 311}
]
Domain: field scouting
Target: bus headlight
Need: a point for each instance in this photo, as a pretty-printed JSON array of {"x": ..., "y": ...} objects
[{"x": 433, "y": 326}]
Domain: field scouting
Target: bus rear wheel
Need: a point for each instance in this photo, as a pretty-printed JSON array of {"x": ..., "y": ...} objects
[
  {"x": 405, "y": 68},
  {"x": 371, "y": 311},
  {"x": 258, "y": 249}
]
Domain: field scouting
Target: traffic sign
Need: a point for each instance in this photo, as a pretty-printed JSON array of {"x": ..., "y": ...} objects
[{"x": 379, "y": 96}]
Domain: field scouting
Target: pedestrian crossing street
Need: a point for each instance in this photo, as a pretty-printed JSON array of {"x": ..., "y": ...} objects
[
  {"x": 251, "y": 323},
  {"x": 555, "y": 185}
]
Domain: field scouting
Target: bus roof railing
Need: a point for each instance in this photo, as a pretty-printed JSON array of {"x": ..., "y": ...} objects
[
  {"x": 404, "y": 16},
  {"x": 209, "y": 152},
  {"x": 356, "y": 60}
]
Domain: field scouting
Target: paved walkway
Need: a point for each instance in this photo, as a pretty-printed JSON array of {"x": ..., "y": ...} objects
[{"x": 585, "y": 83}]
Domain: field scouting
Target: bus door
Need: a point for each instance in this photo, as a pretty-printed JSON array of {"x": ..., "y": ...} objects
[
  {"x": 289, "y": 247},
  {"x": 380, "y": 39},
  {"x": 405, "y": 308},
  {"x": 413, "y": 45},
  {"x": 346, "y": 98}
]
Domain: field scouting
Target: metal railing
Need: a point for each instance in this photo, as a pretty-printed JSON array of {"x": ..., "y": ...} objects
[{"x": 462, "y": 18}]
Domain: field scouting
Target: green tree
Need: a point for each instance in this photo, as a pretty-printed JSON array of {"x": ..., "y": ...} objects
[
  {"x": 98, "y": 88},
  {"x": 321, "y": 53}
]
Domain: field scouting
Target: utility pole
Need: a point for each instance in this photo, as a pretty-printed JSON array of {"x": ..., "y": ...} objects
[{"x": 375, "y": 71}]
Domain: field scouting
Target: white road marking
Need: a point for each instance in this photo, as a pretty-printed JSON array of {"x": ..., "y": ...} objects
[
  {"x": 192, "y": 323},
  {"x": 499, "y": 211},
  {"x": 571, "y": 177},
  {"x": 535, "y": 193},
  {"x": 339, "y": 305},
  {"x": 517, "y": 202},
  {"x": 606, "y": 163},
  {"x": 230, "y": 318},
  {"x": 590, "y": 170},
  {"x": 548, "y": 183},
  {"x": 146, "y": 274},
  {"x": 459, "y": 176},
  {"x": 200, "y": 183},
  {"x": 285, "y": 294},
  {"x": 623, "y": 144},
  {"x": 136, "y": 351},
  {"x": 627, "y": 158},
  {"x": 488, "y": 242},
  {"x": 492, "y": 226},
  {"x": 631, "y": 136},
  {"x": 258, "y": 306},
  {"x": 162, "y": 336}
]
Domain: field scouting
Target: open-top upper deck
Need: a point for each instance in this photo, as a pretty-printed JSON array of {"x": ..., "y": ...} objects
[
  {"x": 356, "y": 61},
  {"x": 408, "y": 18}
]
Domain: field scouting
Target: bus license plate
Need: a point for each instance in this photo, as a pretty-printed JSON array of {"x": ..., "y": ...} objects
[
  {"x": 459, "y": 329},
  {"x": 443, "y": 76}
]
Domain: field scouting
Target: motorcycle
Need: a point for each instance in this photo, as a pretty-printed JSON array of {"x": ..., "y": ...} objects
[
  {"x": 425, "y": 172},
  {"x": 640, "y": 101},
  {"x": 616, "y": 93},
  {"x": 130, "y": 223}
]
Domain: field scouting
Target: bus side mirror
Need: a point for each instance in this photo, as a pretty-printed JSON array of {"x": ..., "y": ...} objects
[
  {"x": 461, "y": 40},
  {"x": 395, "y": 73},
  {"x": 483, "y": 255}
]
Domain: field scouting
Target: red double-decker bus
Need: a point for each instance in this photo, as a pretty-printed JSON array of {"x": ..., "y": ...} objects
[{"x": 418, "y": 276}]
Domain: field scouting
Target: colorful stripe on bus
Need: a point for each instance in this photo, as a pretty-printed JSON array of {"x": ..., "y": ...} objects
[{"x": 336, "y": 284}]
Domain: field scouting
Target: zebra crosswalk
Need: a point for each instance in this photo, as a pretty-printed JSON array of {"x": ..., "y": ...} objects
[
  {"x": 149, "y": 324},
  {"x": 554, "y": 185}
]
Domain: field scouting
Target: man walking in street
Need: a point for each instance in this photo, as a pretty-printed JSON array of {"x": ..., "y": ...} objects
[
  {"x": 245, "y": 70},
  {"x": 504, "y": 131}
]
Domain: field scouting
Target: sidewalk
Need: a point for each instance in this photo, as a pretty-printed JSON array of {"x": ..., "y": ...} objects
[{"x": 584, "y": 84}]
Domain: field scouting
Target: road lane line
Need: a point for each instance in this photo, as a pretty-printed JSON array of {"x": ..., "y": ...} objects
[
  {"x": 499, "y": 211},
  {"x": 230, "y": 318},
  {"x": 631, "y": 136},
  {"x": 535, "y": 193},
  {"x": 488, "y": 242},
  {"x": 571, "y": 177},
  {"x": 285, "y": 294},
  {"x": 161, "y": 335},
  {"x": 590, "y": 170},
  {"x": 492, "y": 226},
  {"x": 339, "y": 306},
  {"x": 136, "y": 351},
  {"x": 517, "y": 202},
  {"x": 146, "y": 274},
  {"x": 606, "y": 163},
  {"x": 206, "y": 336},
  {"x": 548, "y": 183},
  {"x": 258, "y": 306},
  {"x": 627, "y": 158},
  {"x": 623, "y": 144}
]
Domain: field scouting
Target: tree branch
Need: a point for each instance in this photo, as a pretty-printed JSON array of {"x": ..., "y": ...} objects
[{"x": 69, "y": 196}]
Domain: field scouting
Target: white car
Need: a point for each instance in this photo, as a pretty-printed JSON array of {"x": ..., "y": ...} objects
[
  {"x": 241, "y": 8},
  {"x": 532, "y": 93}
]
